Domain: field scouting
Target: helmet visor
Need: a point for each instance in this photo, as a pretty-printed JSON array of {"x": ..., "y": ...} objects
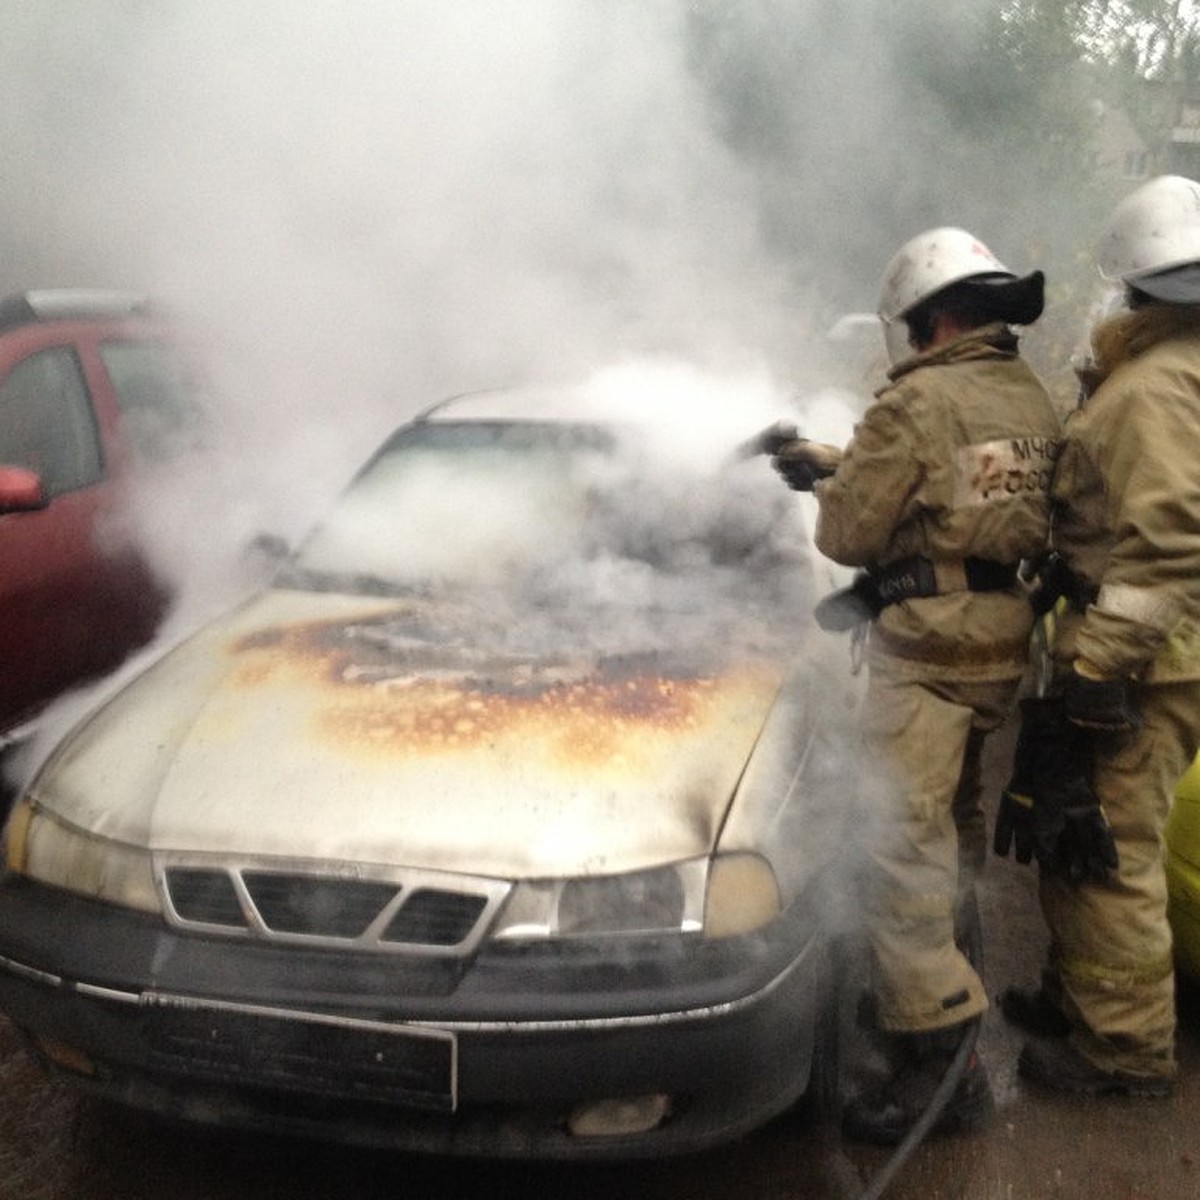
[
  {"x": 1016, "y": 301},
  {"x": 1180, "y": 285}
]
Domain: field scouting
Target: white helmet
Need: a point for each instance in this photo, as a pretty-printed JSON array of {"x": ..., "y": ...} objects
[
  {"x": 1152, "y": 234},
  {"x": 933, "y": 261}
]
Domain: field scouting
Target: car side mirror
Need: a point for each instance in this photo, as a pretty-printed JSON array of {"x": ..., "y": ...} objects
[
  {"x": 264, "y": 555},
  {"x": 21, "y": 490},
  {"x": 268, "y": 548}
]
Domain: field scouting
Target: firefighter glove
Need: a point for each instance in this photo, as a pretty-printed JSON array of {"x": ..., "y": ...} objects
[
  {"x": 1014, "y": 823},
  {"x": 1049, "y": 809},
  {"x": 1028, "y": 814},
  {"x": 1086, "y": 851},
  {"x": 769, "y": 441},
  {"x": 802, "y": 462},
  {"x": 1101, "y": 704}
]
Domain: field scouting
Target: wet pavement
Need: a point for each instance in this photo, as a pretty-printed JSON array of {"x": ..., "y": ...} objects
[{"x": 57, "y": 1145}]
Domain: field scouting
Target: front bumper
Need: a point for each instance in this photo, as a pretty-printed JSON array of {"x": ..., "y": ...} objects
[{"x": 490, "y": 1056}]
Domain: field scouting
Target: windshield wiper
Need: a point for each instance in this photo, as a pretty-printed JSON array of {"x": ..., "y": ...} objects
[{"x": 351, "y": 582}]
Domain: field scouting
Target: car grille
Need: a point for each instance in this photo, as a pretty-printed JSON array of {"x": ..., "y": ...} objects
[{"x": 413, "y": 912}]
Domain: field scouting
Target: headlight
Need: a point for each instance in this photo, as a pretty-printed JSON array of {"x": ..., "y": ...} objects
[
  {"x": 644, "y": 902},
  {"x": 743, "y": 895},
  {"x": 729, "y": 895},
  {"x": 42, "y": 847}
]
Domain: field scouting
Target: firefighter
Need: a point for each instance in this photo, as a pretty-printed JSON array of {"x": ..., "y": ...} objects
[
  {"x": 939, "y": 496},
  {"x": 1126, "y": 655}
]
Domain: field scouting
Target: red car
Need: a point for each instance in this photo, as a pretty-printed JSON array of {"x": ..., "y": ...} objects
[{"x": 91, "y": 384}]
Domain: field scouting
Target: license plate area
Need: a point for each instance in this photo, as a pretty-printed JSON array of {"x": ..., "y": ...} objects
[{"x": 304, "y": 1053}]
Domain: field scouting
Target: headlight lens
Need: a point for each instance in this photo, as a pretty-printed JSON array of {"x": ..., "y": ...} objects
[
  {"x": 644, "y": 902},
  {"x": 743, "y": 895},
  {"x": 39, "y": 845},
  {"x": 729, "y": 895}
]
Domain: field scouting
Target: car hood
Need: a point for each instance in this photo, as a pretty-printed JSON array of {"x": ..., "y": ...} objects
[{"x": 406, "y": 732}]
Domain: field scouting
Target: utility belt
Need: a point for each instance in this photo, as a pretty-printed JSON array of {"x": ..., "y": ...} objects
[
  {"x": 912, "y": 578},
  {"x": 917, "y": 577}
]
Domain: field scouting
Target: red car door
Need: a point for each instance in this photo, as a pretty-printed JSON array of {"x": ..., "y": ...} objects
[{"x": 73, "y": 596}]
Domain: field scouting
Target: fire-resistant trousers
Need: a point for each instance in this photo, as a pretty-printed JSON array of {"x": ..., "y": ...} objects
[
  {"x": 927, "y": 840},
  {"x": 1110, "y": 965}
]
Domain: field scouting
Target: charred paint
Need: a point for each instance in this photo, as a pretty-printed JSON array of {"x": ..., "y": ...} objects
[
  {"x": 587, "y": 721},
  {"x": 389, "y": 692}
]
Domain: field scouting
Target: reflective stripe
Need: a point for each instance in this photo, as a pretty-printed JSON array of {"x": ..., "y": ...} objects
[
  {"x": 1148, "y": 606},
  {"x": 1002, "y": 654},
  {"x": 1150, "y": 970},
  {"x": 918, "y": 906}
]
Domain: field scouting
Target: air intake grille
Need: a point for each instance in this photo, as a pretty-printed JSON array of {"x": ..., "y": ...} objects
[
  {"x": 432, "y": 918},
  {"x": 406, "y": 913},
  {"x": 206, "y": 897},
  {"x": 338, "y": 908}
]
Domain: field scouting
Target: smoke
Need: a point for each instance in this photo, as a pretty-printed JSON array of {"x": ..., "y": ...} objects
[
  {"x": 357, "y": 209},
  {"x": 361, "y": 208},
  {"x": 389, "y": 200},
  {"x": 367, "y": 206}
]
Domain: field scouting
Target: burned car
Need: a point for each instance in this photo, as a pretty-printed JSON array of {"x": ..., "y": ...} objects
[{"x": 501, "y": 822}]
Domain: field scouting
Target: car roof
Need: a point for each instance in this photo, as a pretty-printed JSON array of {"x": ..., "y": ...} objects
[
  {"x": 622, "y": 400},
  {"x": 672, "y": 414},
  {"x": 542, "y": 403},
  {"x": 40, "y": 305}
]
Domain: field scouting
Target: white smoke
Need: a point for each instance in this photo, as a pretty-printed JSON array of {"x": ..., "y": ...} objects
[
  {"x": 358, "y": 209},
  {"x": 364, "y": 207}
]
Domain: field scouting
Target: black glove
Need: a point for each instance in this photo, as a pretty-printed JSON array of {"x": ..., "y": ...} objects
[
  {"x": 1014, "y": 823},
  {"x": 1048, "y": 808},
  {"x": 1046, "y": 770},
  {"x": 1104, "y": 704},
  {"x": 849, "y": 607},
  {"x": 1086, "y": 851},
  {"x": 802, "y": 462},
  {"x": 797, "y": 474}
]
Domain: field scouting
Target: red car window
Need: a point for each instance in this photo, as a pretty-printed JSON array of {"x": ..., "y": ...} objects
[
  {"x": 155, "y": 395},
  {"x": 47, "y": 424}
]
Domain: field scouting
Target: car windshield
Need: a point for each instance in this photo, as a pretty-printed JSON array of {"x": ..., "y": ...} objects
[{"x": 579, "y": 511}]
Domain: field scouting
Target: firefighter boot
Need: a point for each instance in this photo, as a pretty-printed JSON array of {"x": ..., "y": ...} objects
[
  {"x": 1056, "y": 1064},
  {"x": 885, "y": 1114},
  {"x": 1033, "y": 1010}
]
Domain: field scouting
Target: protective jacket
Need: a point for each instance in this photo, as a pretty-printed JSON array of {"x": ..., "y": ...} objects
[
  {"x": 1127, "y": 500},
  {"x": 951, "y": 462},
  {"x": 1126, "y": 517}
]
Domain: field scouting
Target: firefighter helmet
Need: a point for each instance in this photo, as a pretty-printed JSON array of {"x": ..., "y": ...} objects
[
  {"x": 938, "y": 259},
  {"x": 1153, "y": 239}
]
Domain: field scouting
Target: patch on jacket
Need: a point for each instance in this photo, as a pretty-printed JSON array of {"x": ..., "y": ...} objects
[{"x": 1002, "y": 469}]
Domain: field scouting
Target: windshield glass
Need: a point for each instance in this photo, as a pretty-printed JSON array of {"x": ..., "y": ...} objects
[{"x": 564, "y": 508}]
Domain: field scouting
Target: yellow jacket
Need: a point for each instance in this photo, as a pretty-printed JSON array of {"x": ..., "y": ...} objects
[
  {"x": 952, "y": 460},
  {"x": 1126, "y": 496}
]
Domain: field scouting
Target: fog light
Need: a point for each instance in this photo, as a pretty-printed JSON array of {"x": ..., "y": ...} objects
[
  {"x": 614, "y": 1118},
  {"x": 64, "y": 1055}
]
